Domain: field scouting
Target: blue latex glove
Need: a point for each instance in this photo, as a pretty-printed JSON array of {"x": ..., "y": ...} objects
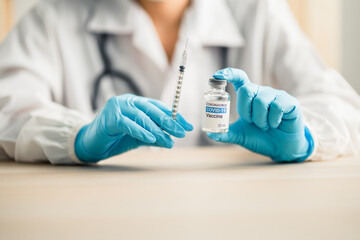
[
  {"x": 127, "y": 122},
  {"x": 270, "y": 121}
]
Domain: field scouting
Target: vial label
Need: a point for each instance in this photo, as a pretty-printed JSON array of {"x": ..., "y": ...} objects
[{"x": 216, "y": 116}]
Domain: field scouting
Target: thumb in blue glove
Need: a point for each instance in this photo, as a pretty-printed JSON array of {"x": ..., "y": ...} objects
[
  {"x": 127, "y": 122},
  {"x": 270, "y": 121}
]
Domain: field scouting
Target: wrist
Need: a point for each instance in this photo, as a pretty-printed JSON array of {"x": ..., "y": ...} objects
[
  {"x": 299, "y": 149},
  {"x": 80, "y": 150},
  {"x": 310, "y": 141},
  {"x": 72, "y": 143}
]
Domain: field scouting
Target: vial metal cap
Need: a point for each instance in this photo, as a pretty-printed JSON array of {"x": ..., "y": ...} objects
[{"x": 213, "y": 82}]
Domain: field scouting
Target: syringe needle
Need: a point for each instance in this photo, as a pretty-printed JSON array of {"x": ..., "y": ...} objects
[{"x": 179, "y": 83}]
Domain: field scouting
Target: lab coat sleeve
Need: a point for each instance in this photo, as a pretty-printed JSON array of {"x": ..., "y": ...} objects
[
  {"x": 34, "y": 126},
  {"x": 331, "y": 108}
]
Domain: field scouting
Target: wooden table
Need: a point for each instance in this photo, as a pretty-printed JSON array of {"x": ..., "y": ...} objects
[{"x": 188, "y": 193}]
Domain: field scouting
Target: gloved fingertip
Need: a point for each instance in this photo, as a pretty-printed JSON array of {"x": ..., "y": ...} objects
[
  {"x": 177, "y": 130},
  {"x": 183, "y": 123},
  {"x": 224, "y": 74},
  {"x": 169, "y": 144},
  {"x": 188, "y": 127},
  {"x": 180, "y": 134},
  {"x": 214, "y": 136},
  {"x": 149, "y": 138},
  {"x": 218, "y": 76},
  {"x": 264, "y": 129},
  {"x": 219, "y": 72},
  {"x": 274, "y": 125}
]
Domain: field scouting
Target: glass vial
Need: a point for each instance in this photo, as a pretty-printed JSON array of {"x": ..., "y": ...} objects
[{"x": 216, "y": 107}]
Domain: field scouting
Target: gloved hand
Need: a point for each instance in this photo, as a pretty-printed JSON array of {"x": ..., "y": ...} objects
[
  {"x": 270, "y": 121},
  {"x": 127, "y": 122}
]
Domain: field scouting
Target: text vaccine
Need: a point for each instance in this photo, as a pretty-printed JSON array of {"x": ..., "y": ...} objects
[{"x": 216, "y": 107}]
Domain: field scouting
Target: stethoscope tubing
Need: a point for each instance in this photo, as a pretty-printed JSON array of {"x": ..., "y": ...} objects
[{"x": 108, "y": 70}]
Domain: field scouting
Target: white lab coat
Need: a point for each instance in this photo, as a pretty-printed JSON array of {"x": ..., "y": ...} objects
[{"x": 49, "y": 61}]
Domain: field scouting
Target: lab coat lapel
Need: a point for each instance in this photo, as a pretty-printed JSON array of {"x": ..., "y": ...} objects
[
  {"x": 145, "y": 39},
  {"x": 214, "y": 24},
  {"x": 110, "y": 16},
  {"x": 128, "y": 18},
  {"x": 207, "y": 23}
]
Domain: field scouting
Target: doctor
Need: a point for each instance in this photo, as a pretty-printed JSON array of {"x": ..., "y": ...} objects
[{"x": 291, "y": 106}]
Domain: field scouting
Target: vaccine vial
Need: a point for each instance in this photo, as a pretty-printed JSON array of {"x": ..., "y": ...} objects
[{"x": 216, "y": 107}]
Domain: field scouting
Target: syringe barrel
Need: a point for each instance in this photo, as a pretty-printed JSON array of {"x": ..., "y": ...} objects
[
  {"x": 179, "y": 83},
  {"x": 176, "y": 101}
]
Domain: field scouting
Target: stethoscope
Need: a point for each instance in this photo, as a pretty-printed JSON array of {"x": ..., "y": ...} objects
[{"x": 108, "y": 71}]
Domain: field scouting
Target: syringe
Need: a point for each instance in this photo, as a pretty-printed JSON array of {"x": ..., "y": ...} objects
[{"x": 179, "y": 83}]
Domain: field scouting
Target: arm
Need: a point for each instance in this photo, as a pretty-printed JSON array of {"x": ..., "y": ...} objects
[
  {"x": 34, "y": 126},
  {"x": 331, "y": 108},
  {"x": 318, "y": 114},
  {"x": 270, "y": 121},
  {"x": 37, "y": 127}
]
